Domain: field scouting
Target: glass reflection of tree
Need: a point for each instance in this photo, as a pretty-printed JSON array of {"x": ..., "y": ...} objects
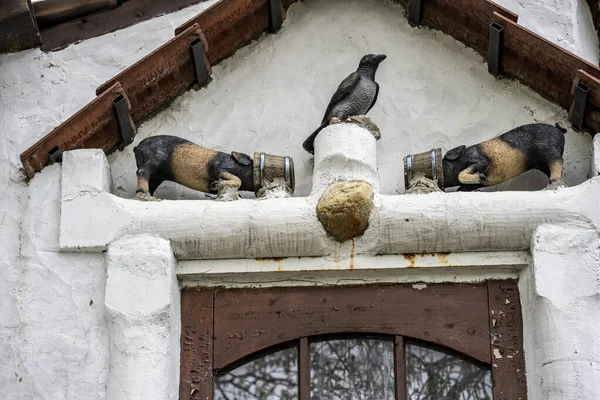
[
  {"x": 274, "y": 376},
  {"x": 435, "y": 375},
  {"x": 355, "y": 369}
]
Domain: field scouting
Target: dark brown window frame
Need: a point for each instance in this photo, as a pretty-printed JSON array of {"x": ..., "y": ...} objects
[{"x": 222, "y": 328}]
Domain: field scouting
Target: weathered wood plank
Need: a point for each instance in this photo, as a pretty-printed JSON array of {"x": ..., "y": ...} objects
[
  {"x": 161, "y": 76},
  {"x": 18, "y": 28},
  {"x": 230, "y": 24},
  {"x": 250, "y": 320},
  {"x": 128, "y": 13},
  {"x": 465, "y": 20},
  {"x": 196, "y": 380},
  {"x": 94, "y": 126},
  {"x": 506, "y": 328},
  {"x": 539, "y": 63}
]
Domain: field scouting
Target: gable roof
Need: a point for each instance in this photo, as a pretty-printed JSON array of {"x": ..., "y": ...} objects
[{"x": 153, "y": 82}]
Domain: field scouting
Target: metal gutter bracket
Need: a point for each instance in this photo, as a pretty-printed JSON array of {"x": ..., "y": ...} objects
[
  {"x": 415, "y": 11},
  {"x": 579, "y": 104},
  {"x": 126, "y": 128},
  {"x": 199, "y": 65},
  {"x": 275, "y": 15},
  {"x": 495, "y": 49}
]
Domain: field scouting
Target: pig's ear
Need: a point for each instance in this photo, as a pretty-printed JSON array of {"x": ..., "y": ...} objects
[
  {"x": 456, "y": 152},
  {"x": 242, "y": 158}
]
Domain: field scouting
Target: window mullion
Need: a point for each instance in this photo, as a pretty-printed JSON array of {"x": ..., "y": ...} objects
[
  {"x": 303, "y": 369},
  {"x": 399, "y": 368}
]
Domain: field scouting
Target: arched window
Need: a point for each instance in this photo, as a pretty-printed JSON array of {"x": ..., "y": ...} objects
[
  {"x": 356, "y": 368},
  {"x": 383, "y": 342}
]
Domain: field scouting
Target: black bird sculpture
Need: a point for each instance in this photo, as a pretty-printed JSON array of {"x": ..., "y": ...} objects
[{"x": 356, "y": 95}]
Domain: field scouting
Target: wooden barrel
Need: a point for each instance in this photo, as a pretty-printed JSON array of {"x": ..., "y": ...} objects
[
  {"x": 428, "y": 165},
  {"x": 268, "y": 167}
]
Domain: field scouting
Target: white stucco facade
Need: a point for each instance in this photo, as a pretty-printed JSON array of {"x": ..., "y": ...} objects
[{"x": 67, "y": 332}]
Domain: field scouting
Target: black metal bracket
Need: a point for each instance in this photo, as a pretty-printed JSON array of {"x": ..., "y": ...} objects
[
  {"x": 275, "y": 15},
  {"x": 579, "y": 104},
  {"x": 415, "y": 11},
  {"x": 199, "y": 65},
  {"x": 55, "y": 155},
  {"x": 495, "y": 49},
  {"x": 125, "y": 127}
]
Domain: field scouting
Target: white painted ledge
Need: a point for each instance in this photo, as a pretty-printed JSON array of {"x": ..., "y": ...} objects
[
  {"x": 226, "y": 241},
  {"x": 92, "y": 217},
  {"x": 311, "y": 271}
]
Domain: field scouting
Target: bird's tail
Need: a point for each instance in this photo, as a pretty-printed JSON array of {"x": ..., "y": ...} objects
[
  {"x": 560, "y": 128},
  {"x": 309, "y": 143}
]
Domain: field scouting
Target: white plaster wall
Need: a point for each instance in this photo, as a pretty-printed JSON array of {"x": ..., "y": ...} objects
[
  {"x": 271, "y": 95},
  {"x": 567, "y": 23},
  {"x": 268, "y": 97},
  {"x": 53, "y": 339}
]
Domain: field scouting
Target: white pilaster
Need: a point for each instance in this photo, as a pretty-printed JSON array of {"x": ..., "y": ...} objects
[
  {"x": 144, "y": 322},
  {"x": 560, "y": 300}
]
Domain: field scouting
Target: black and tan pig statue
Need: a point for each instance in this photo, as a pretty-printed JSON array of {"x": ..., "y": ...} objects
[
  {"x": 170, "y": 158},
  {"x": 532, "y": 146}
]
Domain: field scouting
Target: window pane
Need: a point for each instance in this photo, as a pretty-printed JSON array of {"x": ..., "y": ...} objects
[
  {"x": 272, "y": 377},
  {"x": 432, "y": 374},
  {"x": 355, "y": 369}
]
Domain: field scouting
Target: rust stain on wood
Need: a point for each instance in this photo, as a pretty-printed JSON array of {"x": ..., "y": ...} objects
[
  {"x": 94, "y": 126},
  {"x": 161, "y": 76},
  {"x": 352, "y": 251},
  {"x": 443, "y": 258}
]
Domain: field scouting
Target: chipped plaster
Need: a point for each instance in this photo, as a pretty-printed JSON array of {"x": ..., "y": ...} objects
[{"x": 54, "y": 336}]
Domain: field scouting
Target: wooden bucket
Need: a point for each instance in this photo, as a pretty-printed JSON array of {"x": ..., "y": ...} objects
[
  {"x": 428, "y": 165},
  {"x": 268, "y": 167}
]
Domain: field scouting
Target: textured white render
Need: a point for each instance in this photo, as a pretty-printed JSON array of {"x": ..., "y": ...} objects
[
  {"x": 560, "y": 298},
  {"x": 54, "y": 324},
  {"x": 566, "y": 23},
  {"x": 143, "y": 318}
]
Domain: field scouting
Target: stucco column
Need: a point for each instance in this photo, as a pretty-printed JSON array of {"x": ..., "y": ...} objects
[
  {"x": 143, "y": 317},
  {"x": 345, "y": 151},
  {"x": 561, "y": 313}
]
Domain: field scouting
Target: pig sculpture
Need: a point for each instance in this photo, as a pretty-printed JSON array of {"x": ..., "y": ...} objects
[
  {"x": 170, "y": 158},
  {"x": 532, "y": 146}
]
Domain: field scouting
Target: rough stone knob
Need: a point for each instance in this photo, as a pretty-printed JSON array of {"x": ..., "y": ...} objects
[{"x": 344, "y": 209}]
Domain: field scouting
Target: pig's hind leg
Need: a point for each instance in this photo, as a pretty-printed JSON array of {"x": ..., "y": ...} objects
[{"x": 555, "y": 179}]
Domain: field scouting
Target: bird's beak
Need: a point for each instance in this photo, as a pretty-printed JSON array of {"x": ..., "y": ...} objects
[{"x": 379, "y": 58}]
